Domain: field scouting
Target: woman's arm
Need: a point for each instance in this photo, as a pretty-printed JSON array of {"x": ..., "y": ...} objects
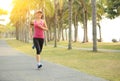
[
  {"x": 31, "y": 28},
  {"x": 44, "y": 27},
  {"x": 31, "y": 33},
  {"x": 32, "y": 23}
]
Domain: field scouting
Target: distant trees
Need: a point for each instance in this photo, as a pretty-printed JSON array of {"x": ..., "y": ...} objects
[
  {"x": 2, "y": 27},
  {"x": 7, "y": 31}
]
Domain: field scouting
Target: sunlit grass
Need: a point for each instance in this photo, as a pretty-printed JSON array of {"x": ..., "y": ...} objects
[{"x": 102, "y": 64}]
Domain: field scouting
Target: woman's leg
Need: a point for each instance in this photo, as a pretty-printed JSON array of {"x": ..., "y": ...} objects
[
  {"x": 36, "y": 43},
  {"x": 41, "y": 41},
  {"x": 38, "y": 59},
  {"x": 39, "y": 45}
]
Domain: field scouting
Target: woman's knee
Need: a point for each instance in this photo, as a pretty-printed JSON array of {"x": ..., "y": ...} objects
[{"x": 38, "y": 52}]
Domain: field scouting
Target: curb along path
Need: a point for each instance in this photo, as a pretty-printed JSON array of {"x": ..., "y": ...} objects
[{"x": 16, "y": 66}]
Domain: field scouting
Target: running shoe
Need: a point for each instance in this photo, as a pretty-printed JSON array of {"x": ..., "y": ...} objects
[{"x": 39, "y": 66}]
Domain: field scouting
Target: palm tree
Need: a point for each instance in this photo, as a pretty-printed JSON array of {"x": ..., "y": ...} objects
[
  {"x": 85, "y": 18},
  {"x": 61, "y": 11},
  {"x": 55, "y": 35},
  {"x": 93, "y": 2},
  {"x": 76, "y": 17},
  {"x": 100, "y": 12},
  {"x": 70, "y": 24},
  {"x": 19, "y": 19}
]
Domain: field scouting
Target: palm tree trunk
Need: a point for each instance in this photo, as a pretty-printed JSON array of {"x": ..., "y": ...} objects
[
  {"x": 66, "y": 34},
  {"x": 59, "y": 32},
  {"x": 55, "y": 34},
  {"x": 70, "y": 24},
  {"x": 63, "y": 35},
  {"x": 100, "y": 40},
  {"x": 76, "y": 28},
  {"x": 85, "y": 39},
  {"x": 17, "y": 32},
  {"x": 94, "y": 25}
]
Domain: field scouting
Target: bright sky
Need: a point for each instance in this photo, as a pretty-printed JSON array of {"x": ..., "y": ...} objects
[
  {"x": 6, "y": 5},
  {"x": 110, "y": 29}
]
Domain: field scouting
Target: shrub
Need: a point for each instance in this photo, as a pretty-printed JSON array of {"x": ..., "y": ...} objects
[{"x": 114, "y": 40}]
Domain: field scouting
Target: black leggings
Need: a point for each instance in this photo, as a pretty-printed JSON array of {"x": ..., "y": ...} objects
[{"x": 38, "y": 43}]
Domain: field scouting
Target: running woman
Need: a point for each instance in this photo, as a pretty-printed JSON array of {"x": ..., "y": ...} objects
[{"x": 40, "y": 26}]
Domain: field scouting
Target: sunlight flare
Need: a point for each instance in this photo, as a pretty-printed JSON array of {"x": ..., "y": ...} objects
[{"x": 5, "y": 4}]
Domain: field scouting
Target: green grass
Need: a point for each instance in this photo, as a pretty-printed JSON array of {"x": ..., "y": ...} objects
[
  {"x": 101, "y": 45},
  {"x": 101, "y": 64}
]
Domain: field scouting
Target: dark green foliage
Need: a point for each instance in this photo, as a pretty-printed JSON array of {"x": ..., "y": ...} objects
[{"x": 113, "y": 8}]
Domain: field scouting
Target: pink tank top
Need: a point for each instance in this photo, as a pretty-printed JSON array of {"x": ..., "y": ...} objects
[{"x": 38, "y": 32}]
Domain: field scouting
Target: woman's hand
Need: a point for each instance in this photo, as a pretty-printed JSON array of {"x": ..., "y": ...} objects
[{"x": 44, "y": 27}]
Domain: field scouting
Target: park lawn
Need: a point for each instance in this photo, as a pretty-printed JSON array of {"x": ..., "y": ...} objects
[
  {"x": 101, "y": 64},
  {"x": 101, "y": 45}
]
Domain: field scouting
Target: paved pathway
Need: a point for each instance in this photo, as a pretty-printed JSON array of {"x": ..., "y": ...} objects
[{"x": 16, "y": 66}]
